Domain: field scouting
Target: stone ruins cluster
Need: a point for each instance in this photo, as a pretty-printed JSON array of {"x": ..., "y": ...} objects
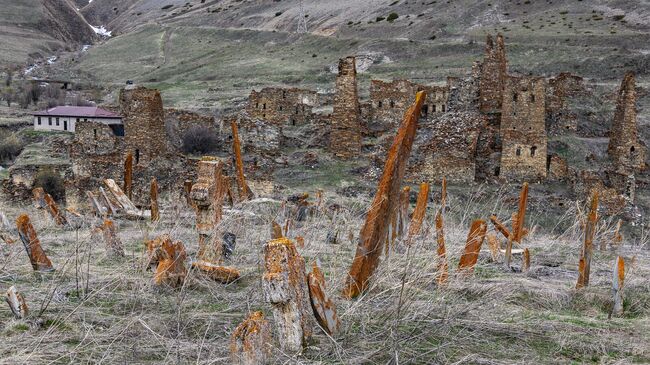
[{"x": 298, "y": 299}]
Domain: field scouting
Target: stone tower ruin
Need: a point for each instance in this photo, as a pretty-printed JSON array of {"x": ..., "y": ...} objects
[
  {"x": 625, "y": 150},
  {"x": 494, "y": 71},
  {"x": 345, "y": 134},
  {"x": 144, "y": 123},
  {"x": 523, "y": 129}
]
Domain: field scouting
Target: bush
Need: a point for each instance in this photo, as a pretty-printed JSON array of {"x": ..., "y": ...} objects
[
  {"x": 10, "y": 148},
  {"x": 200, "y": 140},
  {"x": 51, "y": 182},
  {"x": 392, "y": 16}
]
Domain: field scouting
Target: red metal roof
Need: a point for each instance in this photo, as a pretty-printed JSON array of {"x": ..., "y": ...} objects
[{"x": 77, "y": 111}]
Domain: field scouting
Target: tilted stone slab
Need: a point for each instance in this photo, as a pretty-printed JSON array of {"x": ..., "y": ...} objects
[
  {"x": 17, "y": 303},
  {"x": 27, "y": 234},
  {"x": 323, "y": 306},
  {"x": 473, "y": 245},
  {"x": 375, "y": 231},
  {"x": 54, "y": 211},
  {"x": 419, "y": 212}
]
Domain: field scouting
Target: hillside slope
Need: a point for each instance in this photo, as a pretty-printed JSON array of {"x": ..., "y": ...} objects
[{"x": 36, "y": 28}]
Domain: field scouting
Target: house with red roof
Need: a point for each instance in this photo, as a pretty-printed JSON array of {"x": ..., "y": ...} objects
[{"x": 64, "y": 118}]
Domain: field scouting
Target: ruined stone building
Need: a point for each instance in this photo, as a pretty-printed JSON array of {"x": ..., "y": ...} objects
[
  {"x": 626, "y": 151},
  {"x": 144, "y": 123},
  {"x": 285, "y": 106},
  {"x": 559, "y": 118},
  {"x": 523, "y": 129},
  {"x": 389, "y": 101},
  {"x": 345, "y": 132}
]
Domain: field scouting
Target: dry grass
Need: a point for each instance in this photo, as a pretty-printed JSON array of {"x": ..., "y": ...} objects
[{"x": 99, "y": 310}]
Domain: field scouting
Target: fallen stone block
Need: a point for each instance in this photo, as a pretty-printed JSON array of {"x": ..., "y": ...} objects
[
  {"x": 170, "y": 258},
  {"x": 250, "y": 343},
  {"x": 222, "y": 274}
]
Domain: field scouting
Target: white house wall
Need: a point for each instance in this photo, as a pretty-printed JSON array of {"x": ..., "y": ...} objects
[{"x": 45, "y": 124}]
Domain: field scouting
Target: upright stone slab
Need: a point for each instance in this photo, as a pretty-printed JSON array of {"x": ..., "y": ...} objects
[
  {"x": 375, "y": 231},
  {"x": 618, "y": 280},
  {"x": 114, "y": 245},
  {"x": 153, "y": 193},
  {"x": 584, "y": 266},
  {"x": 441, "y": 250},
  {"x": 285, "y": 288},
  {"x": 475, "y": 239},
  {"x": 419, "y": 212},
  {"x": 37, "y": 257},
  {"x": 250, "y": 343},
  {"x": 207, "y": 196},
  {"x": 245, "y": 192},
  {"x": 345, "y": 132}
]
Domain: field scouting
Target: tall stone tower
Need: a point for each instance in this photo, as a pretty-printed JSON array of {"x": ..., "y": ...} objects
[
  {"x": 523, "y": 130},
  {"x": 144, "y": 123},
  {"x": 345, "y": 134},
  {"x": 625, "y": 150},
  {"x": 494, "y": 71}
]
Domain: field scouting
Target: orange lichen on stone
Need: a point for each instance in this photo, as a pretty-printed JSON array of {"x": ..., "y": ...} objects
[
  {"x": 525, "y": 266},
  {"x": 128, "y": 175},
  {"x": 276, "y": 231},
  {"x": 323, "y": 306},
  {"x": 375, "y": 231},
  {"x": 113, "y": 242},
  {"x": 618, "y": 279},
  {"x": 17, "y": 303},
  {"x": 493, "y": 244},
  {"x": 584, "y": 266},
  {"x": 153, "y": 192},
  {"x": 300, "y": 241},
  {"x": 187, "y": 189},
  {"x": 617, "y": 239},
  {"x": 402, "y": 217},
  {"x": 222, "y": 274},
  {"x": 54, "y": 211},
  {"x": 27, "y": 234},
  {"x": 245, "y": 192},
  {"x": 508, "y": 253},
  {"x": 475, "y": 239},
  {"x": 39, "y": 198},
  {"x": 170, "y": 258},
  {"x": 419, "y": 212},
  {"x": 500, "y": 227},
  {"x": 285, "y": 288},
  {"x": 250, "y": 343},
  {"x": 518, "y": 228}
]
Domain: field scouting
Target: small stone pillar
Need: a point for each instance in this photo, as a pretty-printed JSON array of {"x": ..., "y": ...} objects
[{"x": 250, "y": 343}]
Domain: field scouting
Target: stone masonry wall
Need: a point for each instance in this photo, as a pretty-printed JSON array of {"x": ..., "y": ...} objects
[
  {"x": 282, "y": 106},
  {"x": 625, "y": 150},
  {"x": 493, "y": 75},
  {"x": 559, "y": 119},
  {"x": 178, "y": 122},
  {"x": 523, "y": 129},
  {"x": 345, "y": 134},
  {"x": 446, "y": 147},
  {"x": 389, "y": 101}
]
